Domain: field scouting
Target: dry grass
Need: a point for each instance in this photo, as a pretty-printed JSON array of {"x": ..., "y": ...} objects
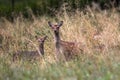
[{"x": 78, "y": 27}]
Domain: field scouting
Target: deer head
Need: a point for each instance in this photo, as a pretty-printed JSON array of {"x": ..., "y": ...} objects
[
  {"x": 41, "y": 39},
  {"x": 55, "y": 27}
]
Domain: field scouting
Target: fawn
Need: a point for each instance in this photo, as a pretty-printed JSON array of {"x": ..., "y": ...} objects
[
  {"x": 67, "y": 49},
  {"x": 32, "y": 54}
]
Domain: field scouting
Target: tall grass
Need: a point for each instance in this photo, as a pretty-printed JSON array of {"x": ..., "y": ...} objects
[{"x": 94, "y": 64}]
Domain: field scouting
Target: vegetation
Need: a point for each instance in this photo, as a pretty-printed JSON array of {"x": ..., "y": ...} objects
[
  {"x": 45, "y": 7},
  {"x": 94, "y": 64}
]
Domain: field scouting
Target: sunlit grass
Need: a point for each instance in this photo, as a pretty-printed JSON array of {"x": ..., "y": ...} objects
[{"x": 94, "y": 64}]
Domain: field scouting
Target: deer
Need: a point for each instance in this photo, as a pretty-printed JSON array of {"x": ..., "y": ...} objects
[
  {"x": 32, "y": 54},
  {"x": 65, "y": 48}
]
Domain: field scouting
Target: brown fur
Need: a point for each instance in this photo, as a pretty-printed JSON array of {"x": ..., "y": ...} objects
[
  {"x": 31, "y": 55},
  {"x": 68, "y": 49}
]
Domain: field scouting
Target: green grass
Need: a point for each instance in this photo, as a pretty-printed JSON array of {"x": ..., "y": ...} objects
[{"x": 86, "y": 69}]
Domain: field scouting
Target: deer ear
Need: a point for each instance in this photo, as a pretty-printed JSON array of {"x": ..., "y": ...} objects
[
  {"x": 60, "y": 23},
  {"x": 49, "y": 23}
]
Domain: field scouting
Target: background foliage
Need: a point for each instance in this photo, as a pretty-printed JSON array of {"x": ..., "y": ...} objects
[{"x": 46, "y": 6}]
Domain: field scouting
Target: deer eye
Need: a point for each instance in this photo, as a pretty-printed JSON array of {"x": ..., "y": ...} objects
[
  {"x": 57, "y": 26},
  {"x": 53, "y": 27}
]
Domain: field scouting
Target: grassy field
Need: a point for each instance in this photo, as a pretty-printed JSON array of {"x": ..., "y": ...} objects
[{"x": 94, "y": 64}]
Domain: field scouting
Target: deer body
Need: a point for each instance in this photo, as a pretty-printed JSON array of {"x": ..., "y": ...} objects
[
  {"x": 68, "y": 49},
  {"x": 31, "y": 54}
]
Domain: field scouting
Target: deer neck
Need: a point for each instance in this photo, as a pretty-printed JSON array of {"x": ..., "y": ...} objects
[
  {"x": 41, "y": 48},
  {"x": 57, "y": 40},
  {"x": 57, "y": 37}
]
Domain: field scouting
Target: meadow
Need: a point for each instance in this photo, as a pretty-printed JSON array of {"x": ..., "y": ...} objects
[{"x": 94, "y": 64}]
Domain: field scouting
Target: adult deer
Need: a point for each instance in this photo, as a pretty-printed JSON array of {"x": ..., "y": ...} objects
[{"x": 65, "y": 48}]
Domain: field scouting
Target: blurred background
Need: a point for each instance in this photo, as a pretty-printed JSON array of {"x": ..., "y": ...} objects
[{"x": 48, "y": 7}]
